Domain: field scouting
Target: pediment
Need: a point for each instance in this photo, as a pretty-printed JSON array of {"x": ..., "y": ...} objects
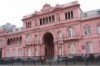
[{"x": 46, "y": 8}]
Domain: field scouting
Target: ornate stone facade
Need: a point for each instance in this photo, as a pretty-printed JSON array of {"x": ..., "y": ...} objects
[{"x": 61, "y": 30}]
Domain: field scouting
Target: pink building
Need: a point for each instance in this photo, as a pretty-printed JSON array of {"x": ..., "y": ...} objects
[{"x": 61, "y": 30}]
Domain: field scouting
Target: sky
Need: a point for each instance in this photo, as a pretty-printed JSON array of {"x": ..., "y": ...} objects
[{"x": 12, "y": 11}]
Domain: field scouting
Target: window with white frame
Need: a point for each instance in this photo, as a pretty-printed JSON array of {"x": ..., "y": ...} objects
[
  {"x": 89, "y": 47},
  {"x": 29, "y": 52},
  {"x": 36, "y": 38},
  {"x": 60, "y": 49},
  {"x": 87, "y": 30},
  {"x": 13, "y": 53},
  {"x": 98, "y": 28},
  {"x": 7, "y": 53},
  {"x": 60, "y": 37},
  {"x": 72, "y": 48},
  {"x": 71, "y": 31},
  {"x": 19, "y": 52},
  {"x": 36, "y": 51},
  {"x": 59, "y": 34},
  {"x": 28, "y": 38}
]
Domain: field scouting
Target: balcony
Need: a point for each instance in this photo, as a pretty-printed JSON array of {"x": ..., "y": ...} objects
[
  {"x": 68, "y": 38},
  {"x": 76, "y": 37},
  {"x": 28, "y": 42},
  {"x": 32, "y": 42}
]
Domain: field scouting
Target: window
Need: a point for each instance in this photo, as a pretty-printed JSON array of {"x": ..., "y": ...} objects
[
  {"x": 89, "y": 48},
  {"x": 7, "y": 53},
  {"x": 71, "y": 31},
  {"x": 13, "y": 53},
  {"x": 36, "y": 38},
  {"x": 66, "y": 16},
  {"x": 47, "y": 20},
  {"x": 98, "y": 12},
  {"x": 28, "y": 25},
  {"x": 69, "y": 15},
  {"x": 72, "y": 48},
  {"x": 87, "y": 30},
  {"x": 60, "y": 35},
  {"x": 19, "y": 52},
  {"x": 53, "y": 18},
  {"x": 98, "y": 28},
  {"x": 29, "y": 52},
  {"x": 85, "y": 15},
  {"x": 28, "y": 38},
  {"x": 36, "y": 51},
  {"x": 40, "y": 21},
  {"x": 43, "y": 20},
  {"x": 60, "y": 50}
]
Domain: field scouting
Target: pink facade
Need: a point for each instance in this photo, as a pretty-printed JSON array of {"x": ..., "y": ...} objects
[{"x": 61, "y": 30}]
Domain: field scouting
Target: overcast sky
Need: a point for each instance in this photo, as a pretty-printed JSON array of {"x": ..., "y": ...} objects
[{"x": 12, "y": 11}]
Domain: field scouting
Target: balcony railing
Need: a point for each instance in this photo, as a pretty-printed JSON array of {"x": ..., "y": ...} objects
[
  {"x": 32, "y": 42},
  {"x": 28, "y": 42},
  {"x": 76, "y": 37},
  {"x": 68, "y": 38}
]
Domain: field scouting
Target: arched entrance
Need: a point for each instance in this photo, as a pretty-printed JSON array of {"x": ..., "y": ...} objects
[{"x": 48, "y": 40}]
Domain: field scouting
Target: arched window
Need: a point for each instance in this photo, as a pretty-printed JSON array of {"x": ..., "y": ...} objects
[
  {"x": 72, "y": 48},
  {"x": 89, "y": 47},
  {"x": 98, "y": 28},
  {"x": 71, "y": 31},
  {"x": 87, "y": 30}
]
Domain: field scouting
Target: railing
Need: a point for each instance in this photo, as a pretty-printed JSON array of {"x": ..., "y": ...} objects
[
  {"x": 39, "y": 60},
  {"x": 28, "y": 42},
  {"x": 32, "y": 42},
  {"x": 68, "y": 38},
  {"x": 73, "y": 37}
]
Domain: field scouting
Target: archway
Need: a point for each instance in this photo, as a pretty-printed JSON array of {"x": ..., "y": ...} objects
[{"x": 48, "y": 40}]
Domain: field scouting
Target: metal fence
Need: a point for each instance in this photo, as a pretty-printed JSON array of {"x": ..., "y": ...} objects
[{"x": 42, "y": 60}]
